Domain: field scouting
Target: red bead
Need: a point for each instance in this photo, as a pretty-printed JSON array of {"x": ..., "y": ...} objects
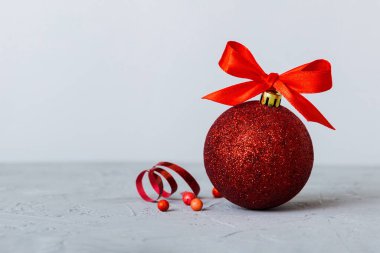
[
  {"x": 257, "y": 156},
  {"x": 163, "y": 205},
  {"x": 187, "y": 197},
  {"x": 216, "y": 193},
  {"x": 196, "y": 204}
]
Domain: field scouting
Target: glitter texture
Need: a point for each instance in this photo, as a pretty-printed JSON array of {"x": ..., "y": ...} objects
[{"x": 257, "y": 156}]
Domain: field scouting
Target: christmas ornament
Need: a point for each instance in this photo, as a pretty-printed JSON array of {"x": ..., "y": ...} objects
[
  {"x": 163, "y": 205},
  {"x": 196, "y": 204},
  {"x": 259, "y": 155},
  {"x": 216, "y": 193},
  {"x": 187, "y": 197}
]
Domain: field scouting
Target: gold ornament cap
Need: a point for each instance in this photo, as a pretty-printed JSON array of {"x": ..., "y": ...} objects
[{"x": 271, "y": 98}]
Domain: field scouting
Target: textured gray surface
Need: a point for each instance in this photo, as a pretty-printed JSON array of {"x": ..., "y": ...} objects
[{"x": 95, "y": 208}]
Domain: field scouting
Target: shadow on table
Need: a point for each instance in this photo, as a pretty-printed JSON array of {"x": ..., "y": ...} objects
[{"x": 313, "y": 202}]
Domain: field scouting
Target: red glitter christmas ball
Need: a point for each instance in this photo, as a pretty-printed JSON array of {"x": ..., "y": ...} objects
[{"x": 257, "y": 156}]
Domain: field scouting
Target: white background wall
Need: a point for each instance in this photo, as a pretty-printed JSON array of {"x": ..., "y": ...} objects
[{"x": 122, "y": 80}]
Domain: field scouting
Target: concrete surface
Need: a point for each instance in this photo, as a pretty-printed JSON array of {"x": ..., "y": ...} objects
[{"x": 95, "y": 208}]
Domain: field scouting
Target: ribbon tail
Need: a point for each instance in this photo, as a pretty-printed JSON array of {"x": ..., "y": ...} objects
[
  {"x": 304, "y": 106},
  {"x": 237, "y": 93}
]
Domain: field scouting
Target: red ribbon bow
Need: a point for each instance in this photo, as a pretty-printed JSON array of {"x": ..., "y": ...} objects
[{"x": 313, "y": 77}]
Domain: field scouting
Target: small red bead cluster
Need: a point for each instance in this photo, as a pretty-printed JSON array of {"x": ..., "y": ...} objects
[
  {"x": 158, "y": 173},
  {"x": 190, "y": 199},
  {"x": 187, "y": 197}
]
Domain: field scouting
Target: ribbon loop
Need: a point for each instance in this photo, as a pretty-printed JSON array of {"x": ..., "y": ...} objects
[
  {"x": 313, "y": 77},
  {"x": 154, "y": 175}
]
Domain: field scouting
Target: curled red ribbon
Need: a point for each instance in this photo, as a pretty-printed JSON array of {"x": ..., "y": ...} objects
[
  {"x": 313, "y": 77},
  {"x": 155, "y": 174}
]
